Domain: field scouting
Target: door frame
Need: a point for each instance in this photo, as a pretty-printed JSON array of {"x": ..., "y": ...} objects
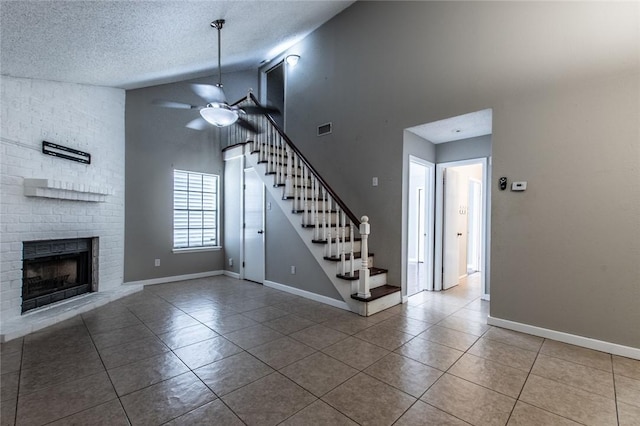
[
  {"x": 263, "y": 71},
  {"x": 244, "y": 230},
  {"x": 486, "y": 222},
  {"x": 429, "y": 188}
]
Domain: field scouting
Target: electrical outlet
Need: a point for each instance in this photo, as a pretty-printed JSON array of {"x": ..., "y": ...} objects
[
  {"x": 157, "y": 262},
  {"x": 231, "y": 261},
  {"x": 293, "y": 270},
  {"x": 374, "y": 181}
]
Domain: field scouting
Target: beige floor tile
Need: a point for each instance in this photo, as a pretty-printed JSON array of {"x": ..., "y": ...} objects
[
  {"x": 102, "y": 323},
  {"x": 479, "y": 305},
  {"x": 502, "y": 353},
  {"x": 74, "y": 367},
  {"x": 289, "y": 324},
  {"x": 403, "y": 373},
  {"x": 498, "y": 377},
  {"x": 422, "y": 414},
  {"x": 8, "y": 412},
  {"x": 319, "y": 336},
  {"x": 186, "y": 336},
  {"x": 214, "y": 412},
  {"x": 469, "y": 402},
  {"x": 577, "y": 375},
  {"x": 406, "y": 324},
  {"x": 9, "y": 386},
  {"x": 626, "y": 367},
  {"x": 628, "y": 390},
  {"x": 108, "y": 414},
  {"x": 464, "y": 325},
  {"x": 514, "y": 338},
  {"x": 212, "y": 314},
  {"x": 318, "y": 414},
  {"x": 369, "y": 401},
  {"x": 229, "y": 324},
  {"x": 430, "y": 353},
  {"x": 319, "y": 373},
  {"x": 172, "y": 323},
  {"x": 349, "y": 325},
  {"x": 59, "y": 401},
  {"x": 266, "y": 313},
  {"x": 11, "y": 346},
  {"x": 385, "y": 337},
  {"x": 206, "y": 352},
  {"x": 281, "y": 352},
  {"x": 449, "y": 337},
  {"x": 425, "y": 314},
  {"x": 10, "y": 362},
  {"x": 528, "y": 415},
  {"x": 166, "y": 400},
  {"x": 253, "y": 336},
  {"x": 115, "y": 356},
  {"x": 268, "y": 401},
  {"x": 566, "y": 401},
  {"x": 628, "y": 415},
  {"x": 140, "y": 374},
  {"x": 355, "y": 352},
  {"x": 231, "y": 373},
  {"x": 121, "y": 336},
  {"x": 471, "y": 315},
  {"x": 576, "y": 354}
]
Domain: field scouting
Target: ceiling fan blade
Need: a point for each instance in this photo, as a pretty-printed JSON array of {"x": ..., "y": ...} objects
[
  {"x": 245, "y": 124},
  {"x": 251, "y": 110},
  {"x": 209, "y": 93},
  {"x": 198, "y": 124},
  {"x": 172, "y": 104}
]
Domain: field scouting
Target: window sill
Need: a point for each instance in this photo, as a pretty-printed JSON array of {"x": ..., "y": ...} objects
[{"x": 196, "y": 249}]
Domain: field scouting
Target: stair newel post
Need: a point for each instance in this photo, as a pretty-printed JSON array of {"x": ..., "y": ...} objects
[{"x": 363, "y": 284}]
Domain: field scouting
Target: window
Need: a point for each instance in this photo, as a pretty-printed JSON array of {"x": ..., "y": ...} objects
[{"x": 195, "y": 210}]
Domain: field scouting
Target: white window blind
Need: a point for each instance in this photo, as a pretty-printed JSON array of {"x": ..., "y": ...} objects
[{"x": 195, "y": 209}]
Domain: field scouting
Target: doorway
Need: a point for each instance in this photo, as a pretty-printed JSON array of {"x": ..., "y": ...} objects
[
  {"x": 461, "y": 222},
  {"x": 253, "y": 261},
  {"x": 420, "y": 233},
  {"x": 274, "y": 81}
]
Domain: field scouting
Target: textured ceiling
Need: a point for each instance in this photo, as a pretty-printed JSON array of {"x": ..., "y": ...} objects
[
  {"x": 132, "y": 44},
  {"x": 465, "y": 126}
]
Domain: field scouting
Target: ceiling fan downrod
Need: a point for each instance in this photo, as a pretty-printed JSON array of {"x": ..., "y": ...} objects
[{"x": 218, "y": 24}]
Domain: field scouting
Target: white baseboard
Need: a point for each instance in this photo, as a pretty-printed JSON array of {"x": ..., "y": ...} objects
[
  {"x": 308, "y": 295},
  {"x": 232, "y": 274},
  {"x": 486, "y": 297},
  {"x": 175, "y": 278},
  {"x": 585, "y": 342},
  {"x": 405, "y": 299}
]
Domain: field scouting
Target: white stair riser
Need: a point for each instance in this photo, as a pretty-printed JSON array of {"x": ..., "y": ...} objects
[{"x": 374, "y": 281}]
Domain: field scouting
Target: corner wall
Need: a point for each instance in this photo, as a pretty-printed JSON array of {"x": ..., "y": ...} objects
[{"x": 87, "y": 118}]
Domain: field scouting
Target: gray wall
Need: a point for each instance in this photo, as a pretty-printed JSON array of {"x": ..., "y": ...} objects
[
  {"x": 566, "y": 251},
  {"x": 284, "y": 249},
  {"x": 156, "y": 143},
  {"x": 464, "y": 149}
]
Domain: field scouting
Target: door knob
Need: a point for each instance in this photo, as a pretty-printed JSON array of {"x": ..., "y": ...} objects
[{"x": 262, "y": 232}]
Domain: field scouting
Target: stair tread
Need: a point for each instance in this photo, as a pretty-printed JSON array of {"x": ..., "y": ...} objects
[
  {"x": 356, "y": 274},
  {"x": 377, "y": 293}
]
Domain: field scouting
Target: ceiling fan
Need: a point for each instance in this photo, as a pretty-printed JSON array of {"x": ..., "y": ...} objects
[{"x": 217, "y": 111}]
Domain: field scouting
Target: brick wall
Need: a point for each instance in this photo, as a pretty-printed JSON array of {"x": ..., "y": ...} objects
[{"x": 86, "y": 118}]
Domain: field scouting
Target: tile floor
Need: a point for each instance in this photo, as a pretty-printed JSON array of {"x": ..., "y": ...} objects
[{"x": 227, "y": 352}]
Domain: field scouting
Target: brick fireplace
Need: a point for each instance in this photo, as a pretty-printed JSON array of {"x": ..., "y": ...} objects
[{"x": 50, "y": 198}]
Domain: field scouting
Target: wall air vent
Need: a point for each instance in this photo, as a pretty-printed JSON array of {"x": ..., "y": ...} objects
[{"x": 324, "y": 129}]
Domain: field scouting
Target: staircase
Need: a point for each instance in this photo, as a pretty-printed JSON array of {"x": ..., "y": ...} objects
[{"x": 336, "y": 237}]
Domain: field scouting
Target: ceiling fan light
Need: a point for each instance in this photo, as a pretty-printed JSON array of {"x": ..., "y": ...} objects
[{"x": 219, "y": 115}]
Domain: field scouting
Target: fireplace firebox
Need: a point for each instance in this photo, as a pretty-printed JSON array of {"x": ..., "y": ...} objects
[{"x": 55, "y": 270}]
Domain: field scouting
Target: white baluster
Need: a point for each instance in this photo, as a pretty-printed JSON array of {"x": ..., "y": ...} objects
[
  {"x": 304, "y": 194},
  {"x": 351, "y": 236},
  {"x": 316, "y": 215},
  {"x": 342, "y": 249},
  {"x": 363, "y": 283}
]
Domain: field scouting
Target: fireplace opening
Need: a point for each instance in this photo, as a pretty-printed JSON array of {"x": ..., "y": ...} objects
[{"x": 55, "y": 270}]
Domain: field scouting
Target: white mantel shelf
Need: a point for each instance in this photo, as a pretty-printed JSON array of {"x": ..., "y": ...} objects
[{"x": 51, "y": 188}]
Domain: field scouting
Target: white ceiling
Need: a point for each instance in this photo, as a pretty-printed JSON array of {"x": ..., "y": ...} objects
[
  {"x": 456, "y": 128},
  {"x": 132, "y": 44}
]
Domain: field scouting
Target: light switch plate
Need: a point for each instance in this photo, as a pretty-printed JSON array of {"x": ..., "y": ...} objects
[
  {"x": 374, "y": 181},
  {"x": 518, "y": 186}
]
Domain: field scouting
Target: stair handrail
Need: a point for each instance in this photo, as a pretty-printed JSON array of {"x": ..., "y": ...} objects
[{"x": 334, "y": 195}]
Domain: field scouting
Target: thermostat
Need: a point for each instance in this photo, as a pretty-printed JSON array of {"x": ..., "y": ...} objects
[{"x": 518, "y": 186}]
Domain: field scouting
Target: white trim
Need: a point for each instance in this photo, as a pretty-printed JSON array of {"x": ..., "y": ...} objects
[
  {"x": 231, "y": 274},
  {"x": 486, "y": 296},
  {"x": 195, "y": 249},
  {"x": 585, "y": 342},
  {"x": 405, "y": 299},
  {"x": 308, "y": 295},
  {"x": 175, "y": 278}
]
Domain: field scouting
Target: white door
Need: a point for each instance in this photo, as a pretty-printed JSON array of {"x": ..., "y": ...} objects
[
  {"x": 451, "y": 233},
  {"x": 253, "y": 227}
]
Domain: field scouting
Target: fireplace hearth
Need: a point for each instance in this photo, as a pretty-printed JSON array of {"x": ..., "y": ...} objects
[{"x": 55, "y": 270}]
